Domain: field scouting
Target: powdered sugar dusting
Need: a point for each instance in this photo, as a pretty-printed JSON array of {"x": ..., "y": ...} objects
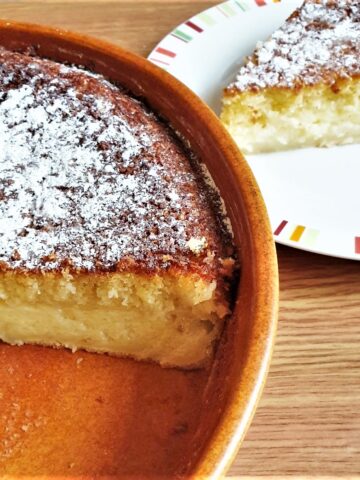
[
  {"x": 320, "y": 41},
  {"x": 88, "y": 177}
]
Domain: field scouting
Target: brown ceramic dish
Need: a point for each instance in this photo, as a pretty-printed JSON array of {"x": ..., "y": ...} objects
[{"x": 85, "y": 415}]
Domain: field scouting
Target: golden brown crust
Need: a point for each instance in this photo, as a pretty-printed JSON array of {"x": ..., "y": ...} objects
[
  {"x": 318, "y": 44},
  {"x": 114, "y": 191},
  {"x": 329, "y": 81}
]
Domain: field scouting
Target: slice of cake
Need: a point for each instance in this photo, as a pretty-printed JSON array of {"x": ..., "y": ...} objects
[
  {"x": 302, "y": 86},
  {"x": 111, "y": 239}
]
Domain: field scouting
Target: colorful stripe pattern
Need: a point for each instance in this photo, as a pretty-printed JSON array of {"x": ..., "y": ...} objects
[
  {"x": 184, "y": 37},
  {"x": 281, "y": 227},
  {"x": 186, "y": 32},
  {"x": 194, "y": 26},
  {"x": 300, "y": 234},
  {"x": 357, "y": 245},
  {"x": 297, "y": 233},
  {"x": 227, "y": 10},
  {"x": 304, "y": 236},
  {"x": 166, "y": 52}
]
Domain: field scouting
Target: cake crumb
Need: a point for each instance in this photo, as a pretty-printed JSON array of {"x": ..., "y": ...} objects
[{"x": 197, "y": 245}]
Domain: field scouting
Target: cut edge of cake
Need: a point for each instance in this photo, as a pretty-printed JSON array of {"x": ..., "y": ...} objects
[
  {"x": 281, "y": 119},
  {"x": 168, "y": 318}
]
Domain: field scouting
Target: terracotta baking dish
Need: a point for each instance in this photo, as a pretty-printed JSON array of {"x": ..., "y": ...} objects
[{"x": 87, "y": 415}]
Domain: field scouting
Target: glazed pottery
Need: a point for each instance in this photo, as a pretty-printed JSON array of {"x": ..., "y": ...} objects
[{"x": 85, "y": 415}]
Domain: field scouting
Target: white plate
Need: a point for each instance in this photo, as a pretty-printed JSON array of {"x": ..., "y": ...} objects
[{"x": 312, "y": 195}]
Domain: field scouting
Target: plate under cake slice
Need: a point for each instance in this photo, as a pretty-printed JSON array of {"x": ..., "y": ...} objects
[
  {"x": 111, "y": 239},
  {"x": 301, "y": 87}
]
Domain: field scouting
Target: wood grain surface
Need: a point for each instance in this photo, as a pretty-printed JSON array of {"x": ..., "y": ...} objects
[{"x": 308, "y": 421}]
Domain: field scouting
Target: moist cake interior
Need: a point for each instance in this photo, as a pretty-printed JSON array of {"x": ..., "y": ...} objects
[{"x": 112, "y": 238}]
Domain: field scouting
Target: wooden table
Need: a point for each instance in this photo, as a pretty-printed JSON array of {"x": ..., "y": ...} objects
[{"x": 308, "y": 421}]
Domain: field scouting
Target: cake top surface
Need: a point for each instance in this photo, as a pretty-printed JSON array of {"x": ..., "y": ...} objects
[
  {"x": 320, "y": 42},
  {"x": 91, "y": 180}
]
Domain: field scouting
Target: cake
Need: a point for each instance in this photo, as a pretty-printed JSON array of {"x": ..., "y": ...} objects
[
  {"x": 112, "y": 237},
  {"x": 301, "y": 87}
]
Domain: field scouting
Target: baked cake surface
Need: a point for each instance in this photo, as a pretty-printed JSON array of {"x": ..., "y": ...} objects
[
  {"x": 301, "y": 86},
  {"x": 110, "y": 237}
]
